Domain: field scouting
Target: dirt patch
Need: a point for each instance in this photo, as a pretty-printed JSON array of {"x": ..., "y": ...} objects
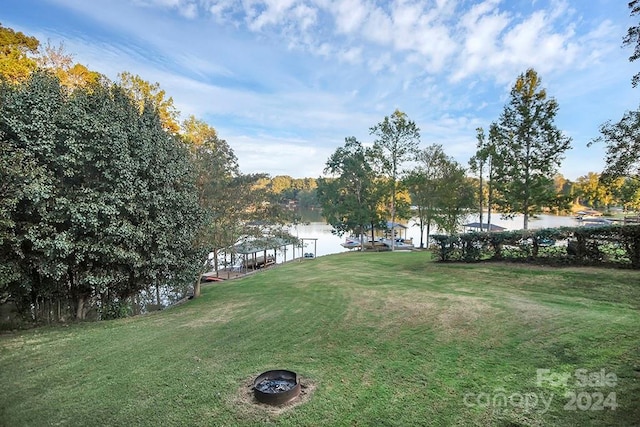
[
  {"x": 531, "y": 312},
  {"x": 220, "y": 314},
  {"x": 452, "y": 316},
  {"x": 245, "y": 401},
  {"x": 458, "y": 310},
  {"x": 411, "y": 309}
]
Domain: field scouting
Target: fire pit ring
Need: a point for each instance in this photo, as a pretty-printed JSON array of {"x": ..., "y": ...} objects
[{"x": 276, "y": 387}]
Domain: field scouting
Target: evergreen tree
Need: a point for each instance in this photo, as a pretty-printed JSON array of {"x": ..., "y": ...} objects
[{"x": 528, "y": 149}]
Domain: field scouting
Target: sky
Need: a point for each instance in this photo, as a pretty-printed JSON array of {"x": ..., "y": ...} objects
[{"x": 284, "y": 82}]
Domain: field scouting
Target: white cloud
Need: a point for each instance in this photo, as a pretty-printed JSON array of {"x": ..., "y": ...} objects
[
  {"x": 267, "y": 12},
  {"x": 500, "y": 44},
  {"x": 381, "y": 62},
  {"x": 222, "y": 10},
  {"x": 189, "y": 10},
  {"x": 352, "y": 55},
  {"x": 601, "y": 41},
  {"x": 324, "y": 49},
  {"x": 186, "y": 8},
  {"x": 297, "y": 76},
  {"x": 305, "y": 15},
  {"x": 484, "y": 38},
  {"x": 349, "y": 15},
  {"x": 378, "y": 27}
]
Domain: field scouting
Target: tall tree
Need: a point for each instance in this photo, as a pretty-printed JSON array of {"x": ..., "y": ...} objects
[
  {"x": 629, "y": 194},
  {"x": 235, "y": 205},
  {"x": 307, "y": 199},
  {"x": 21, "y": 55},
  {"x": 351, "y": 198},
  {"x": 425, "y": 183},
  {"x": 456, "y": 198},
  {"x": 564, "y": 190},
  {"x": 591, "y": 191},
  {"x": 632, "y": 38},
  {"x": 623, "y": 138},
  {"x": 397, "y": 140},
  {"x": 623, "y": 146},
  {"x": 477, "y": 164},
  {"x": 170, "y": 213},
  {"x": 562, "y": 184},
  {"x": 141, "y": 92},
  {"x": 217, "y": 172},
  {"x": 17, "y": 52},
  {"x": 281, "y": 183},
  {"x": 440, "y": 190},
  {"x": 70, "y": 74},
  {"x": 529, "y": 148},
  {"x": 21, "y": 179},
  {"x": 489, "y": 152},
  {"x": 115, "y": 211}
]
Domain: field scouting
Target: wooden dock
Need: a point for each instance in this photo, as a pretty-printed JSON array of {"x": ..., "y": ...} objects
[{"x": 631, "y": 219}]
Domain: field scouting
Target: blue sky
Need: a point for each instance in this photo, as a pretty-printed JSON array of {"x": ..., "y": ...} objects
[{"x": 285, "y": 81}]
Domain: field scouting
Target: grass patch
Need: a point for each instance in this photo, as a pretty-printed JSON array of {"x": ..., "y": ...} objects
[{"x": 378, "y": 338}]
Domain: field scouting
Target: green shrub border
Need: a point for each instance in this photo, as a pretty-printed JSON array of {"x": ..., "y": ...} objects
[{"x": 608, "y": 245}]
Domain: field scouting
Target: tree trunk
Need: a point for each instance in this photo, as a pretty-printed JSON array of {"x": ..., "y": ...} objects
[
  {"x": 489, "y": 196},
  {"x": 481, "y": 197},
  {"x": 80, "y": 307},
  {"x": 527, "y": 182},
  {"x": 373, "y": 242},
  {"x": 196, "y": 285},
  {"x": 215, "y": 261},
  {"x": 393, "y": 214},
  {"x": 80, "y": 298}
]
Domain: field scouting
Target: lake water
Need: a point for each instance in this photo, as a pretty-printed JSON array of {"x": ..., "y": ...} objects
[{"x": 328, "y": 243}]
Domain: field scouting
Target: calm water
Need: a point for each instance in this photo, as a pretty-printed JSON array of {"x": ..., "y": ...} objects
[{"x": 328, "y": 243}]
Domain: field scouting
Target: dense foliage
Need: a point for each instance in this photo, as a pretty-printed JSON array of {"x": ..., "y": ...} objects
[
  {"x": 107, "y": 205},
  {"x": 397, "y": 140},
  {"x": 622, "y": 138},
  {"x": 352, "y": 198},
  {"x": 632, "y": 38},
  {"x": 528, "y": 149},
  {"x": 623, "y": 146},
  {"x": 617, "y": 245},
  {"x": 440, "y": 191},
  {"x": 16, "y": 55}
]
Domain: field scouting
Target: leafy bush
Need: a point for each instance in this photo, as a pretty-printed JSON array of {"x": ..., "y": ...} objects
[
  {"x": 100, "y": 200},
  {"x": 609, "y": 245}
]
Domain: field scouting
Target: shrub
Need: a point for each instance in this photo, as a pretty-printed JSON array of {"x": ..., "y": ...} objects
[{"x": 608, "y": 245}]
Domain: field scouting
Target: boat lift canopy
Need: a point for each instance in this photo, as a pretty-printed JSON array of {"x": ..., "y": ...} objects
[{"x": 476, "y": 226}]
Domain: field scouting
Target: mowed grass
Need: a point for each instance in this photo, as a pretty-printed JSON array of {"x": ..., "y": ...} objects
[{"x": 378, "y": 339}]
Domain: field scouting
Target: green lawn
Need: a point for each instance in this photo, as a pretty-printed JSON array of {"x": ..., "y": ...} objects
[{"x": 378, "y": 338}]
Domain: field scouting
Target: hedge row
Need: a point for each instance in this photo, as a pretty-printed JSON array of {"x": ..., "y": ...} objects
[{"x": 609, "y": 245}]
